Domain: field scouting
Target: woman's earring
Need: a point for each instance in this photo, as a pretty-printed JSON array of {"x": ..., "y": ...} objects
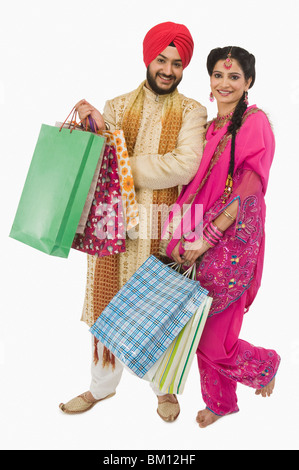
[
  {"x": 246, "y": 98},
  {"x": 211, "y": 97}
]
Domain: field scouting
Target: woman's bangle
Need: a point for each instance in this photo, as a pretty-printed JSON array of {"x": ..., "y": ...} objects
[
  {"x": 207, "y": 243},
  {"x": 228, "y": 215},
  {"x": 212, "y": 234},
  {"x": 216, "y": 230}
]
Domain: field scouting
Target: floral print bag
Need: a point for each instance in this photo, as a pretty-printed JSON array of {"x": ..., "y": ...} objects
[{"x": 114, "y": 209}]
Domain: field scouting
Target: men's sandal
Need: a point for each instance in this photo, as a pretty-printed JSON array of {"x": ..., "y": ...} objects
[
  {"x": 80, "y": 404},
  {"x": 168, "y": 410}
]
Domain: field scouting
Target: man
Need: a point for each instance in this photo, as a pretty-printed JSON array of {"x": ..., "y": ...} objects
[{"x": 164, "y": 135}]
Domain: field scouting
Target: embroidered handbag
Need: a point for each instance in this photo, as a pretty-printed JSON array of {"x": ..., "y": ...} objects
[{"x": 147, "y": 314}]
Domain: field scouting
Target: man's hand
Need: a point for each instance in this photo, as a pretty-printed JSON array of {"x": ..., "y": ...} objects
[{"x": 85, "y": 109}]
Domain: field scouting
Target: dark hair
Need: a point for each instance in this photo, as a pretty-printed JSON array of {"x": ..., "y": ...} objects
[{"x": 247, "y": 64}]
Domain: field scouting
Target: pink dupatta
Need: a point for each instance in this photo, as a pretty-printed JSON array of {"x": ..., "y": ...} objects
[{"x": 235, "y": 264}]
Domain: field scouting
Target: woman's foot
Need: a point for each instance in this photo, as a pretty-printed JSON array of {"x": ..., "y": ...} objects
[
  {"x": 266, "y": 391},
  {"x": 206, "y": 417}
]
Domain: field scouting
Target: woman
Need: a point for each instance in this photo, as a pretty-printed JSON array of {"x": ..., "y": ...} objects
[{"x": 227, "y": 237}]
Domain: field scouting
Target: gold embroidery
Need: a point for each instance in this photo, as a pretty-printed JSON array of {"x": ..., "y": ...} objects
[
  {"x": 221, "y": 147},
  {"x": 219, "y": 150}
]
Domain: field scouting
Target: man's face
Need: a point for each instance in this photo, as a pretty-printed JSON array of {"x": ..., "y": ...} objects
[{"x": 165, "y": 72}]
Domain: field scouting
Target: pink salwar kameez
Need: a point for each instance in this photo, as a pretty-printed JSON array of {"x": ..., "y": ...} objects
[
  {"x": 232, "y": 270},
  {"x": 224, "y": 360}
]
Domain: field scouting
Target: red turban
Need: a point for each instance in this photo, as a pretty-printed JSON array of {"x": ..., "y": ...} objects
[{"x": 160, "y": 37}]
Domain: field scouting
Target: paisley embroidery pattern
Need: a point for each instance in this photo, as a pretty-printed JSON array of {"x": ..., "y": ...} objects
[
  {"x": 227, "y": 270},
  {"x": 248, "y": 370}
]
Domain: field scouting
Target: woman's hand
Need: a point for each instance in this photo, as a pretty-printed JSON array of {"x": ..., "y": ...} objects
[
  {"x": 85, "y": 109},
  {"x": 176, "y": 254},
  {"x": 189, "y": 256}
]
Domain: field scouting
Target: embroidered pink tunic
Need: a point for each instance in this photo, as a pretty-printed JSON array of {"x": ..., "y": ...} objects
[{"x": 232, "y": 270}]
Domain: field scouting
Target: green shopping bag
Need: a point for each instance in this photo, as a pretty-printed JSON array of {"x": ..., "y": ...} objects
[{"x": 56, "y": 188}]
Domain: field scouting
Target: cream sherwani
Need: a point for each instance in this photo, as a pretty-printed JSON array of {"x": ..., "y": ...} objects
[{"x": 151, "y": 171}]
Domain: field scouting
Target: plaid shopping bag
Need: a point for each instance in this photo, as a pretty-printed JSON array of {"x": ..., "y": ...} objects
[{"x": 147, "y": 314}]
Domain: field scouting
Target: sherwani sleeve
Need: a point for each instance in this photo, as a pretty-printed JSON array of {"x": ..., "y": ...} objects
[
  {"x": 178, "y": 167},
  {"x": 109, "y": 116}
]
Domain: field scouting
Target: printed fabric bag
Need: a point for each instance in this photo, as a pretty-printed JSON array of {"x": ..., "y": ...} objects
[
  {"x": 130, "y": 205},
  {"x": 114, "y": 208},
  {"x": 105, "y": 230},
  {"x": 125, "y": 176},
  {"x": 147, "y": 314},
  {"x": 56, "y": 188}
]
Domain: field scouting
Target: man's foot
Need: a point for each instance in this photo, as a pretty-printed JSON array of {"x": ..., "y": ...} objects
[
  {"x": 266, "y": 391},
  {"x": 206, "y": 417},
  {"x": 168, "y": 407},
  {"x": 82, "y": 403}
]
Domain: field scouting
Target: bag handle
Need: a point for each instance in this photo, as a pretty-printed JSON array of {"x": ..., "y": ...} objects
[
  {"x": 190, "y": 272},
  {"x": 72, "y": 121},
  {"x": 92, "y": 124},
  {"x": 84, "y": 127}
]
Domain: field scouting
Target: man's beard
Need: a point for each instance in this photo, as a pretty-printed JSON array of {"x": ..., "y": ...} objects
[{"x": 156, "y": 89}]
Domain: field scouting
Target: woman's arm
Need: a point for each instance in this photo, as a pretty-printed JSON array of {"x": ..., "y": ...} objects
[
  {"x": 250, "y": 184},
  {"x": 227, "y": 217},
  {"x": 222, "y": 223},
  {"x": 256, "y": 151}
]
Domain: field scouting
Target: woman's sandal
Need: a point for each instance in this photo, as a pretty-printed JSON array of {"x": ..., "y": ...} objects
[{"x": 80, "y": 404}]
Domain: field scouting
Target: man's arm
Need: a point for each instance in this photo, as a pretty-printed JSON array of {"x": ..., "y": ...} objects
[
  {"x": 178, "y": 167},
  {"x": 109, "y": 116}
]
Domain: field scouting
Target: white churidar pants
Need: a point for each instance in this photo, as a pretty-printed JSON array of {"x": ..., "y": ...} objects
[{"x": 104, "y": 380}]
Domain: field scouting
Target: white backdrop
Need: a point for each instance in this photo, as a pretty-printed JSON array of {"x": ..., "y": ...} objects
[{"x": 52, "y": 55}]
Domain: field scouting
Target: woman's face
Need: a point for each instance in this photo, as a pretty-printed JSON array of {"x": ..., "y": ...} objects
[{"x": 228, "y": 85}]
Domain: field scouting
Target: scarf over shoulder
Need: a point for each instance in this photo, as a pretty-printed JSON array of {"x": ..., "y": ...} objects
[{"x": 235, "y": 264}]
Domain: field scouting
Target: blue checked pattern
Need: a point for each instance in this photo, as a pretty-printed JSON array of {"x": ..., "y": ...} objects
[{"x": 147, "y": 314}]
